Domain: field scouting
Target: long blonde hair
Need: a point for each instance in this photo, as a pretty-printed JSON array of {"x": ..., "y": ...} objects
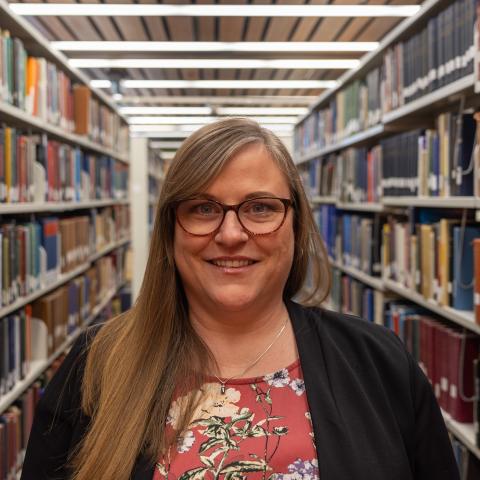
[{"x": 138, "y": 360}]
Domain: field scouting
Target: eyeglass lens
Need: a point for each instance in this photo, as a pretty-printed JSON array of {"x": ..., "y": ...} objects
[{"x": 259, "y": 216}]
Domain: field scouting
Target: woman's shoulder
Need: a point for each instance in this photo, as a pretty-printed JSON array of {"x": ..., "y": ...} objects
[{"x": 352, "y": 335}]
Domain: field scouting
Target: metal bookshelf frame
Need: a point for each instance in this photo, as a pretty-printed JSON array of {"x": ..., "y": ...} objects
[
  {"x": 18, "y": 208},
  {"x": 374, "y": 282},
  {"x": 416, "y": 202}
]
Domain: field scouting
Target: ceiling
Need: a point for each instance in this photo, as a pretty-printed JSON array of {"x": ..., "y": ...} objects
[{"x": 224, "y": 29}]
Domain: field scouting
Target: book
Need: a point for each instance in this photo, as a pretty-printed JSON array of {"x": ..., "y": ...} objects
[
  {"x": 462, "y": 289},
  {"x": 476, "y": 278}
]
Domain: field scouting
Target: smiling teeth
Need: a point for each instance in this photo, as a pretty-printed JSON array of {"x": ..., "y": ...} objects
[{"x": 232, "y": 263}]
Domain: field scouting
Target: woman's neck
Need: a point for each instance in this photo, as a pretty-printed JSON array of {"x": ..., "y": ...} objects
[{"x": 237, "y": 338}]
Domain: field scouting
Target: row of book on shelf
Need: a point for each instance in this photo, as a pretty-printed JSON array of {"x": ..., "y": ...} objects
[
  {"x": 439, "y": 53},
  {"x": 42, "y": 89},
  {"x": 436, "y": 256},
  {"x": 33, "y": 330},
  {"x": 448, "y": 355},
  {"x": 34, "y": 254},
  {"x": 35, "y": 168},
  {"x": 438, "y": 162}
]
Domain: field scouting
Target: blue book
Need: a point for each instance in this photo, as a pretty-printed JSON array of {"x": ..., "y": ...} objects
[
  {"x": 462, "y": 291},
  {"x": 78, "y": 174},
  {"x": 50, "y": 242}
]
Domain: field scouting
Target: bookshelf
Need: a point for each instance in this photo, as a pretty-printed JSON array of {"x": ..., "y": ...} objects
[
  {"x": 463, "y": 318},
  {"x": 432, "y": 108},
  {"x": 432, "y": 202},
  {"x": 36, "y": 207},
  {"x": 404, "y": 202},
  {"x": 373, "y": 282},
  {"x": 360, "y": 207},
  {"x": 39, "y": 366},
  {"x": 15, "y": 116},
  {"x": 370, "y": 134},
  {"x": 464, "y": 432},
  {"x": 432, "y": 101},
  {"x": 67, "y": 153}
]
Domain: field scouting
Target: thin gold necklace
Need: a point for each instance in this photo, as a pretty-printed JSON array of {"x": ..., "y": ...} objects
[{"x": 259, "y": 357}]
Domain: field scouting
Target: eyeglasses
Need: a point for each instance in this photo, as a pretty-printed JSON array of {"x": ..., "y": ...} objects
[{"x": 258, "y": 216}]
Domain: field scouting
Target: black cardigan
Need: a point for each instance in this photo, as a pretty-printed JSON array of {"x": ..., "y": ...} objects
[{"x": 373, "y": 411}]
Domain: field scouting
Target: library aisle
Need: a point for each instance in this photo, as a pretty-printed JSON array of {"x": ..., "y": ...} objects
[{"x": 378, "y": 103}]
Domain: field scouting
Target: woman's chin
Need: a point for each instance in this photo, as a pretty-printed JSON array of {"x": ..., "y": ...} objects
[{"x": 234, "y": 301}]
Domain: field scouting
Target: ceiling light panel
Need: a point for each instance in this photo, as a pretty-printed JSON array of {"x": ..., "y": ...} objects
[
  {"x": 261, "y": 110},
  {"x": 166, "y": 110},
  {"x": 92, "y": 46},
  {"x": 162, "y": 63},
  {"x": 192, "y": 127},
  {"x": 196, "y": 120},
  {"x": 254, "y": 100},
  {"x": 226, "y": 84},
  {"x": 218, "y": 111},
  {"x": 193, "y": 10}
]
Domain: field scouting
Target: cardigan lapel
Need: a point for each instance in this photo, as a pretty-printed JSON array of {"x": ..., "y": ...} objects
[
  {"x": 334, "y": 444},
  {"x": 142, "y": 470}
]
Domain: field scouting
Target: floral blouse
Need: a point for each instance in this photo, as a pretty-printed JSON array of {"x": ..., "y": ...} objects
[{"x": 260, "y": 428}]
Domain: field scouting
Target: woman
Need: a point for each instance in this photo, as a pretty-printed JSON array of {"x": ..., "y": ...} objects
[{"x": 216, "y": 372}]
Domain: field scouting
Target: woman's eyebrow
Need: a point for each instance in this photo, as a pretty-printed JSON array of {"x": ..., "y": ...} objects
[{"x": 208, "y": 196}]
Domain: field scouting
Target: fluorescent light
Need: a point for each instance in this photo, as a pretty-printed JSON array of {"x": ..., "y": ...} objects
[
  {"x": 177, "y": 135},
  {"x": 193, "y": 127},
  {"x": 165, "y": 145},
  {"x": 100, "y": 83},
  {"x": 197, "y": 120},
  {"x": 231, "y": 111},
  {"x": 215, "y": 10},
  {"x": 219, "y": 100},
  {"x": 225, "y": 84},
  {"x": 310, "y": 64},
  {"x": 261, "y": 111},
  {"x": 166, "y": 110},
  {"x": 117, "y": 97},
  {"x": 94, "y": 46}
]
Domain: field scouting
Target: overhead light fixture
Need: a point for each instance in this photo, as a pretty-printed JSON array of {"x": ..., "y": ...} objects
[
  {"x": 226, "y": 84},
  {"x": 94, "y": 46},
  {"x": 219, "y": 100},
  {"x": 100, "y": 83},
  {"x": 310, "y": 64},
  {"x": 179, "y": 135},
  {"x": 261, "y": 111},
  {"x": 213, "y": 10},
  {"x": 192, "y": 127},
  {"x": 165, "y": 145},
  {"x": 196, "y": 120},
  {"x": 232, "y": 111},
  {"x": 166, "y": 110}
]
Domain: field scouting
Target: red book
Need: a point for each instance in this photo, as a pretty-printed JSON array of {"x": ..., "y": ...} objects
[
  {"x": 463, "y": 350},
  {"x": 476, "y": 278},
  {"x": 428, "y": 348},
  {"x": 442, "y": 363}
]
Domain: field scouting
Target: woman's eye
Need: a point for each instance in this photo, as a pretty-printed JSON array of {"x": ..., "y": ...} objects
[
  {"x": 259, "y": 208},
  {"x": 206, "y": 209}
]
